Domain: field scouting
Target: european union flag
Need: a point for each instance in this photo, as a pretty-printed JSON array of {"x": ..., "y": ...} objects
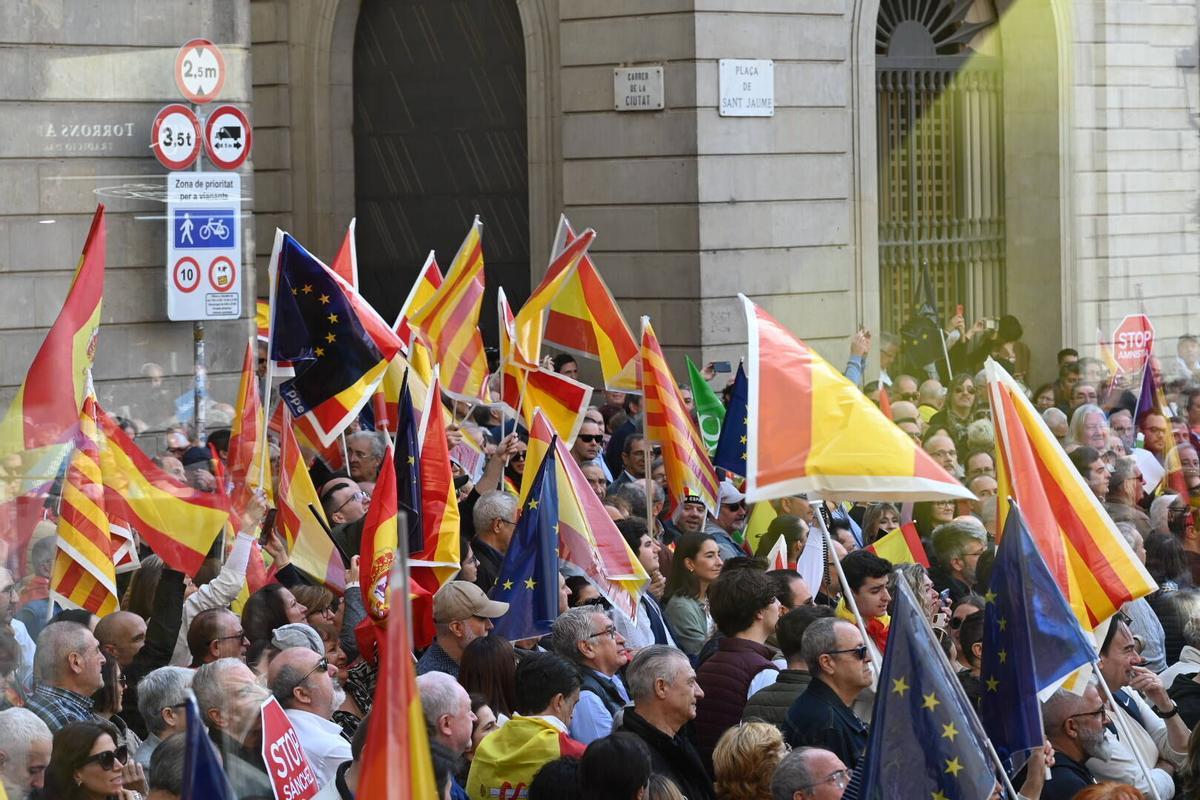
[
  {"x": 730, "y": 454},
  {"x": 314, "y": 326},
  {"x": 925, "y": 740},
  {"x": 408, "y": 469},
  {"x": 203, "y": 776},
  {"x": 528, "y": 579},
  {"x": 1031, "y": 641}
]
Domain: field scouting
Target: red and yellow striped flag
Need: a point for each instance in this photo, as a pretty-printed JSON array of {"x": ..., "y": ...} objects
[
  {"x": 1087, "y": 556},
  {"x": 429, "y": 280},
  {"x": 584, "y": 319},
  {"x": 311, "y": 549},
  {"x": 667, "y": 422},
  {"x": 45, "y": 412},
  {"x": 83, "y": 575},
  {"x": 247, "y": 468},
  {"x": 450, "y": 321},
  {"x": 439, "y": 507},
  {"x": 174, "y": 520}
]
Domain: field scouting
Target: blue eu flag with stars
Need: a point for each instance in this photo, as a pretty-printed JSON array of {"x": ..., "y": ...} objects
[
  {"x": 203, "y": 775},
  {"x": 408, "y": 468},
  {"x": 528, "y": 579},
  {"x": 925, "y": 740},
  {"x": 1031, "y": 641},
  {"x": 730, "y": 454}
]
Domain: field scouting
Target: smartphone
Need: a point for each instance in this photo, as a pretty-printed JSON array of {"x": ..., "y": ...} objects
[
  {"x": 944, "y": 596},
  {"x": 268, "y": 526},
  {"x": 958, "y": 310},
  {"x": 990, "y": 324},
  {"x": 722, "y": 366}
]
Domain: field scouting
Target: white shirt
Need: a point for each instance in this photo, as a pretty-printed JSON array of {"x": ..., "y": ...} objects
[
  {"x": 322, "y": 742},
  {"x": 217, "y": 593},
  {"x": 1150, "y": 740},
  {"x": 1188, "y": 664},
  {"x": 28, "y": 648},
  {"x": 765, "y": 678}
]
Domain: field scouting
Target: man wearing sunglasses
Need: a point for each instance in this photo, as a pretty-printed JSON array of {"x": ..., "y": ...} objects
[
  {"x": 731, "y": 518},
  {"x": 588, "y": 443},
  {"x": 840, "y": 665},
  {"x": 302, "y": 682}
]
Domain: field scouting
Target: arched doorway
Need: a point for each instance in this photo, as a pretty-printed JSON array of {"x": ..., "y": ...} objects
[
  {"x": 940, "y": 137},
  {"x": 440, "y": 134}
]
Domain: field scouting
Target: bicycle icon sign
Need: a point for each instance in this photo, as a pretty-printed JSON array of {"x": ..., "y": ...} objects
[{"x": 203, "y": 228}]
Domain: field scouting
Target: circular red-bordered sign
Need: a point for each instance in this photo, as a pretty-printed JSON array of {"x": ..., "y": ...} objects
[
  {"x": 186, "y": 274},
  {"x": 227, "y": 137},
  {"x": 175, "y": 136},
  {"x": 200, "y": 71},
  {"x": 222, "y": 274}
]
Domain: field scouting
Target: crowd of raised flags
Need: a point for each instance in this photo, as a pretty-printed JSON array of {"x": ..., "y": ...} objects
[{"x": 791, "y": 425}]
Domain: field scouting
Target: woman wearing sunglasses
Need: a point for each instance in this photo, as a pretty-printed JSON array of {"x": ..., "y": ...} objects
[
  {"x": 88, "y": 764},
  {"x": 958, "y": 411}
]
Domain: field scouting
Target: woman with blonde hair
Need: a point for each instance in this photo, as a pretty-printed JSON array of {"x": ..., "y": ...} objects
[{"x": 745, "y": 759}]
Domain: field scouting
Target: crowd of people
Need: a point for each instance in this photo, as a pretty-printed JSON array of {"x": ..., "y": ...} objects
[{"x": 731, "y": 682}]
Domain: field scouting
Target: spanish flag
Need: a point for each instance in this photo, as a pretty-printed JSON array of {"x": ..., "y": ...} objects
[
  {"x": 587, "y": 536},
  {"x": 379, "y": 542},
  {"x": 429, "y": 280},
  {"x": 1087, "y": 556},
  {"x": 901, "y": 546},
  {"x": 667, "y": 422},
  {"x": 838, "y": 443},
  {"x": 174, "y": 520},
  {"x": 530, "y": 321},
  {"x": 83, "y": 575},
  {"x": 396, "y": 762},
  {"x": 46, "y": 410},
  {"x": 584, "y": 319},
  {"x": 523, "y": 389},
  {"x": 450, "y": 320},
  {"x": 301, "y": 516}
]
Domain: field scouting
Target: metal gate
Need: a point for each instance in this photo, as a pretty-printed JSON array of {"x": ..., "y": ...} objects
[
  {"x": 941, "y": 164},
  {"x": 439, "y": 136}
]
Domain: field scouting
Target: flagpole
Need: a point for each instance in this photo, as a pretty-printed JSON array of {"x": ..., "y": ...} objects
[
  {"x": 946, "y": 353},
  {"x": 646, "y": 452},
  {"x": 264, "y": 404},
  {"x": 847, "y": 595}
]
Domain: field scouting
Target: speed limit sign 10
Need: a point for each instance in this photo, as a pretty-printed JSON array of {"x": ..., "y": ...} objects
[{"x": 175, "y": 136}]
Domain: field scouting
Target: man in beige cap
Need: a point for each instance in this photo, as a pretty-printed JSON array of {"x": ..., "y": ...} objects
[{"x": 461, "y": 614}]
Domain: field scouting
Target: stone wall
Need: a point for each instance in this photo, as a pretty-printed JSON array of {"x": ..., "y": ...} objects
[{"x": 82, "y": 82}]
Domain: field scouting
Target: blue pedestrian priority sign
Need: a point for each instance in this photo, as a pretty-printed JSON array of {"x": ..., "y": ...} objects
[{"x": 204, "y": 227}]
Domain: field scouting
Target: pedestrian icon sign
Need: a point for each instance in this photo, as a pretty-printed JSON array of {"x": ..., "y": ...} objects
[{"x": 204, "y": 227}]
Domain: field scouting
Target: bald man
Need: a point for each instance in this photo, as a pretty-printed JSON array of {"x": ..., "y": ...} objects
[{"x": 121, "y": 635}]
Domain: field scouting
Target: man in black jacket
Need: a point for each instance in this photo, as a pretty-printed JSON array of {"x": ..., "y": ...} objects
[{"x": 663, "y": 686}]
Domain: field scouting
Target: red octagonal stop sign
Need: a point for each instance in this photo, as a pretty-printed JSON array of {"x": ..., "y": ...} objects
[{"x": 1133, "y": 342}]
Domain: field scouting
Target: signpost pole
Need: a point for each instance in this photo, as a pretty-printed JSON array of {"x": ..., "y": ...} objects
[{"x": 199, "y": 367}]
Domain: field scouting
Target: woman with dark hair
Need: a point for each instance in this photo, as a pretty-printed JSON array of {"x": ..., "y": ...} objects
[
  {"x": 970, "y": 652},
  {"x": 580, "y": 590},
  {"x": 958, "y": 411},
  {"x": 109, "y": 700},
  {"x": 694, "y": 566},
  {"x": 793, "y": 530},
  {"x": 615, "y": 767},
  {"x": 489, "y": 668},
  {"x": 87, "y": 764},
  {"x": 928, "y": 514},
  {"x": 322, "y": 604},
  {"x": 1043, "y": 397},
  {"x": 879, "y": 518},
  {"x": 270, "y": 607}
]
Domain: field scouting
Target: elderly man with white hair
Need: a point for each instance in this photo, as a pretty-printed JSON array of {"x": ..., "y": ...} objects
[
  {"x": 67, "y": 669},
  {"x": 448, "y": 716},
  {"x": 230, "y": 699},
  {"x": 162, "y": 697},
  {"x": 25, "y": 743}
]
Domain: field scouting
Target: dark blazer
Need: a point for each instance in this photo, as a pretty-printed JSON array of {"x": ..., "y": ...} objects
[
  {"x": 671, "y": 756},
  {"x": 819, "y": 718}
]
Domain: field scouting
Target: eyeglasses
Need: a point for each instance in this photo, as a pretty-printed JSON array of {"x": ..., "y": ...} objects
[
  {"x": 944, "y": 453},
  {"x": 610, "y": 632},
  {"x": 108, "y": 758},
  {"x": 322, "y": 666},
  {"x": 517, "y": 457},
  {"x": 360, "y": 496},
  {"x": 741, "y": 504},
  {"x": 840, "y": 779},
  {"x": 506, "y": 521},
  {"x": 123, "y": 681},
  {"x": 1101, "y": 713},
  {"x": 976, "y": 554},
  {"x": 239, "y": 636},
  {"x": 590, "y": 438},
  {"x": 859, "y": 652}
]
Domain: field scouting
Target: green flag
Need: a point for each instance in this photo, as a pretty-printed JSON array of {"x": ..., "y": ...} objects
[{"x": 709, "y": 410}]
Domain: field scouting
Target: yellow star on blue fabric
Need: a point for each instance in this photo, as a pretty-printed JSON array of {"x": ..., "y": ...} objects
[
  {"x": 992, "y": 684},
  {"x": 324, "y": 299},
  {"x": 330, "y": 337},
  {"x": 953, "y": 767},
  {"x": 530, "y": 583},
  {"x": 938, "y": 796},
  {"x": 332, "y": 318},
  {"x": 1003, "y": 654},
  {"x": 900, "y": 686},
  {"x": 1002, "y": 622},
  {"x": 930, "y": 701},
  {"x": 508, "y": 585},
  {"x": 949, "y": 731},
  {"x": 989, "y": 596},
  {"x": 307, "y": 288},
  {"x": 533, "y": 504},
  {"x": 320, "y": 351}
]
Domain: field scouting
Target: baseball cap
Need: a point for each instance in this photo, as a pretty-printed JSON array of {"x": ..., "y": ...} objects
[
  {"x": 730, "y": 494},
  {"x": 196, "y": 455},
  {"x": 463, "y": 599}
]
